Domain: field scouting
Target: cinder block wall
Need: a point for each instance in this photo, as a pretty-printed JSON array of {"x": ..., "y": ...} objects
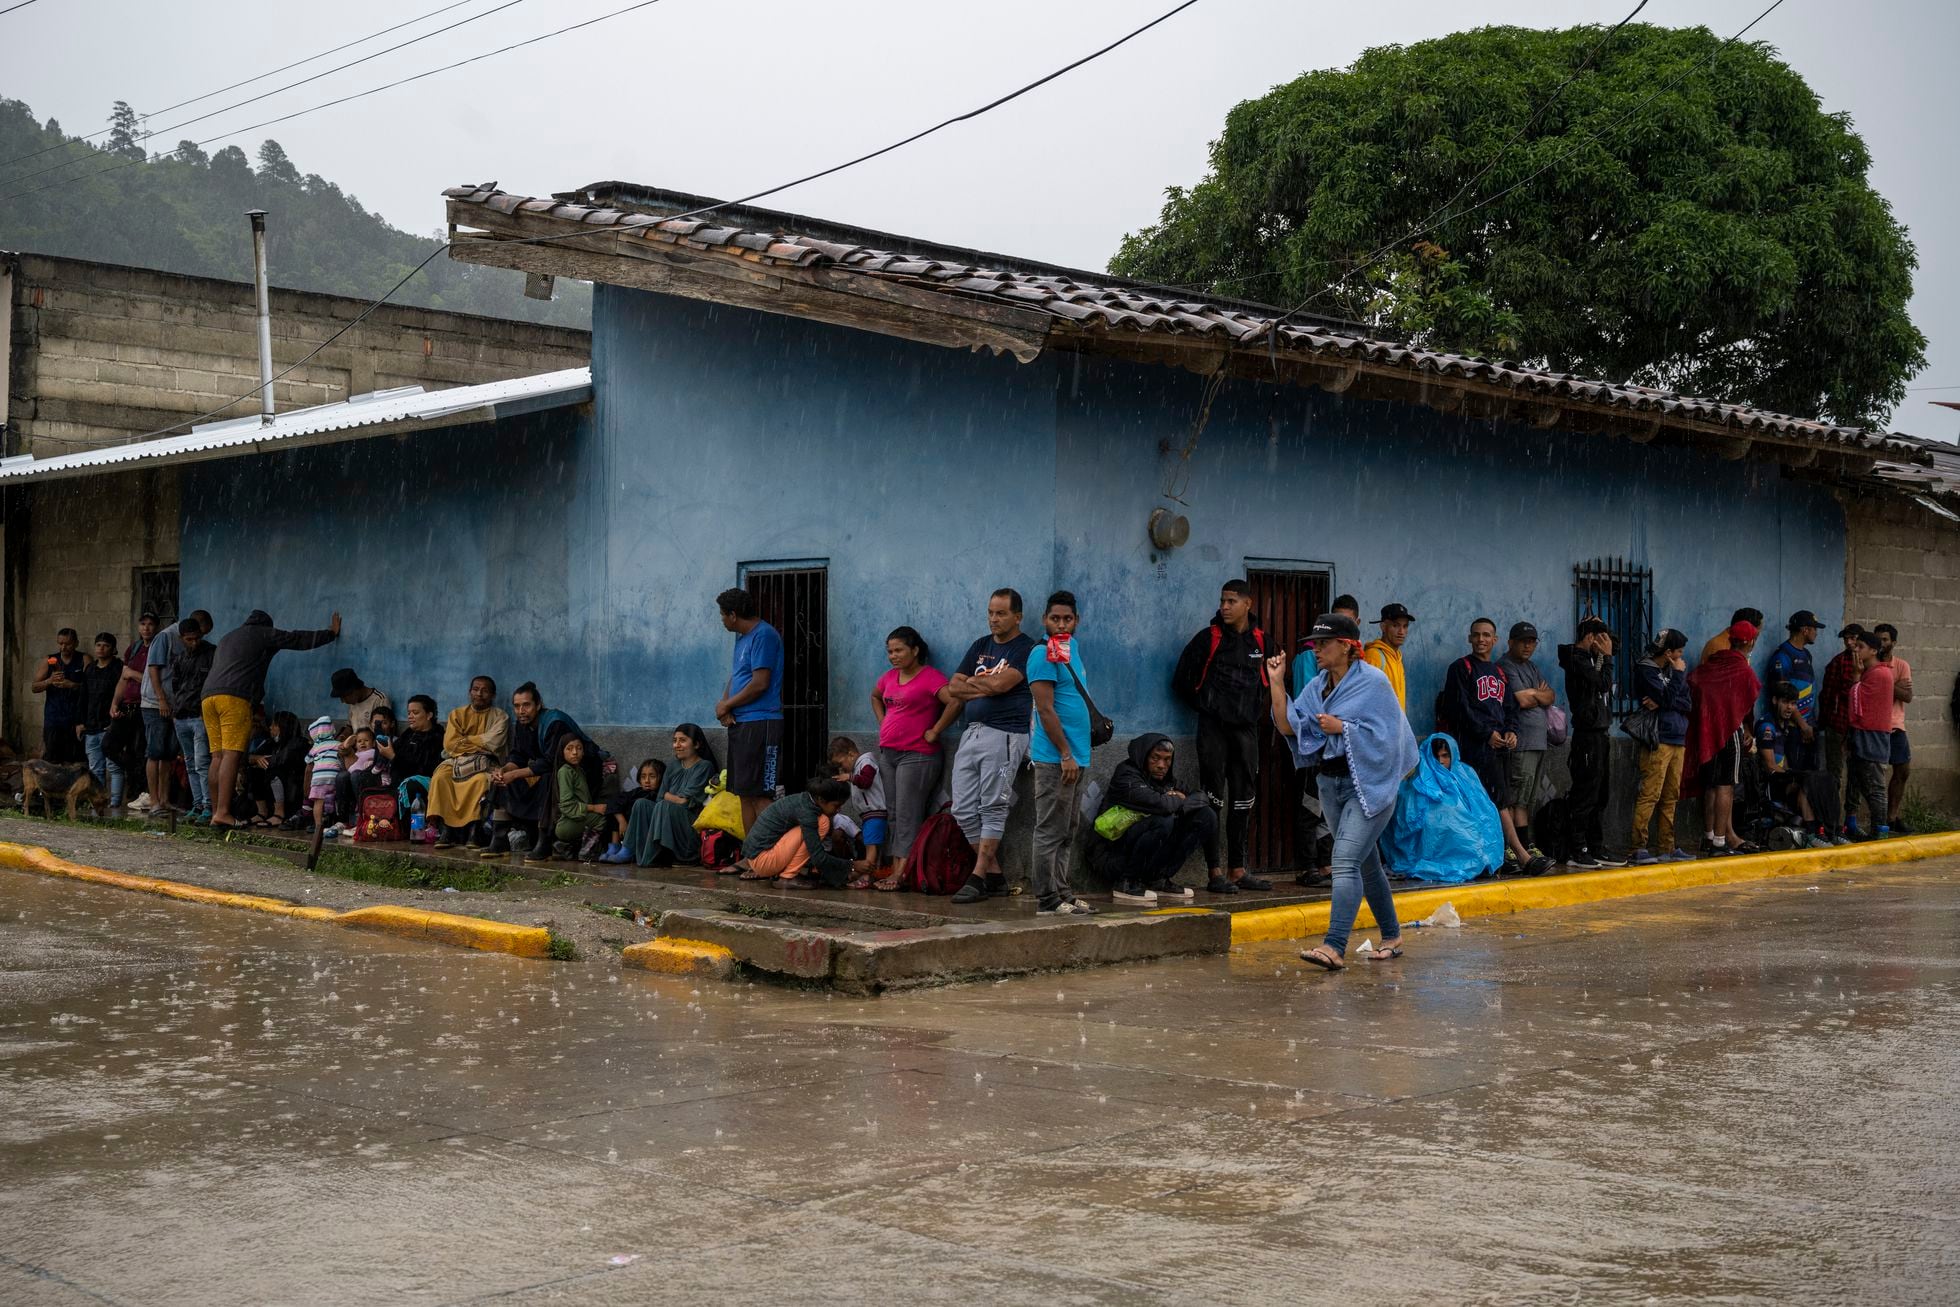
[
  {"x": 101, "y": 352},
  {"x": 1902, "y": 565}
]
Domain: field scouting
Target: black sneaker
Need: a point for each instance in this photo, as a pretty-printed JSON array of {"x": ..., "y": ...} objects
[
  {"x": 1219, "y": 885},
  {"x": 1583, "y": 861},
  {"x": 972, "y": 892},
  {"x": 1312, "y": 879},
  {"x": 1898, "y": 825},
  {"x": 1170, "y": 889},
  {"x": 1252, "y": 882},
  {"x": 1538, "y": 866}
]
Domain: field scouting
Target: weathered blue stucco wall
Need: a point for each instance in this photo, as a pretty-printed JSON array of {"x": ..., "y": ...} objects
[
  {"x": 584, "y": 550},
  {"x": 447, "y": 554}
]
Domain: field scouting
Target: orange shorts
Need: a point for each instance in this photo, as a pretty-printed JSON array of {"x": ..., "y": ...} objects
[{"x": 227, "y": 723}]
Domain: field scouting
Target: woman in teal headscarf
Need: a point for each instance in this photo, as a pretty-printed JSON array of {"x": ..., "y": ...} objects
[{"x": 660, "y": 831}]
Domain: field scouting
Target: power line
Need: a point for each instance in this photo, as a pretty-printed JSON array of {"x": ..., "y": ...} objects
[
  {"x": 358, "y": 95},
  {"x": 63, "y": 144},
  {"x": 676, "y": 217},
  {"x": 10, "y": 8},
  {"x": 1378, "y": 255},
  {"x": 1913, "y": 390},
  {"x": 264, "y": 95}
]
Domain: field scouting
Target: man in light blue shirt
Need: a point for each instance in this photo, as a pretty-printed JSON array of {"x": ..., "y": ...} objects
[{"x": 1059, "y": 750}]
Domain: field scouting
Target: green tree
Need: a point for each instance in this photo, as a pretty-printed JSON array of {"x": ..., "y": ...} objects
[
  {"x": 275, "y": 166},
  {"x": 1721, "y": 240},
  {"x": 125, "y": 132}
]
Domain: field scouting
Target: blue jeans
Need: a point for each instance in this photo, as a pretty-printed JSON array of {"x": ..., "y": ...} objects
[
  {"x": 107, "y": 770},
  {"x": 1357, "y": 863},
  {"x": 196, "y": 747}
]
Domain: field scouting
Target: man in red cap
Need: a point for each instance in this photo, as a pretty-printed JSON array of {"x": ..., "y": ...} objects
[{"x": 1725, "y": 688}]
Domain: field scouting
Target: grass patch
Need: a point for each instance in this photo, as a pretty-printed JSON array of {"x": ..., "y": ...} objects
[
  {"x": 1925, "y": 816},
  {"x": 561, "y": 949},
  {"x": 750, "y": 910}
]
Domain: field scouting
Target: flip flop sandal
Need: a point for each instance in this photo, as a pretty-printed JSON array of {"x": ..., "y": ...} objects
[
  {"x": 858, "y": 882},
  {"x": 1388, "y": 954},
  {"x": 890, "y": 884},
  {"x": 1323, "y": 957},
  {"x": 753, "y": 874}
]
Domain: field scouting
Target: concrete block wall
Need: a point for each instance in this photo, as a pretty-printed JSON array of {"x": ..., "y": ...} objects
[{"x": 1902, "y": 565}]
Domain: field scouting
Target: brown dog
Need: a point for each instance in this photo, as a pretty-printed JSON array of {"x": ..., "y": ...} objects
[{"x": 74, "y": 782}]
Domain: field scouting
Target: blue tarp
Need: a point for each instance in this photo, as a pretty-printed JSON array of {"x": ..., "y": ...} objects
[{"x": 1445, "y": 828}]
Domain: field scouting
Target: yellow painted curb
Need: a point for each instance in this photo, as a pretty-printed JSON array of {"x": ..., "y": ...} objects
[
  {"x": 415, "y": 923},
  {"x": 1301, "y": 920},
  {"x": 681, "y": 957}
]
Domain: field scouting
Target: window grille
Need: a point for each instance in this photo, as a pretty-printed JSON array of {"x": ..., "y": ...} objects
[
  {"x": 1621, "y": 594},
  {"x": 156, "y": 592}
]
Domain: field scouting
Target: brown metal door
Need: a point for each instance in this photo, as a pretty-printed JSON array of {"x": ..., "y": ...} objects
[
  {"x": 796, "y": 601},
  {"x": 1287, "y": 601}
]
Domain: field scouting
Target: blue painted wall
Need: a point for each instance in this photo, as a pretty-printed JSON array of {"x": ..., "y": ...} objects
[{"x": 585, "y": 550}]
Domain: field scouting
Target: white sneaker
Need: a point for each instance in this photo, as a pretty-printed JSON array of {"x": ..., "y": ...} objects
[
  {"x": 1141, "y": 896},
  {"x": 1067, "y": 908},
  {"x": 141, "y": 803}
]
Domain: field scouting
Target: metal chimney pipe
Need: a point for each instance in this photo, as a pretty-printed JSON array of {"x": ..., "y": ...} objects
[{"x": 265, "y": 315}]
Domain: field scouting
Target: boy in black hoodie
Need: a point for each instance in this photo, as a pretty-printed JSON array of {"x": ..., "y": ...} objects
[
  {"x": 1588, "y": 665},
  {"x": 1222, "y": 675},
  {"x": 1142, "y": 862}
]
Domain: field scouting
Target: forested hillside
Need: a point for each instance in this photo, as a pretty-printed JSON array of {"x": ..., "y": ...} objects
[{"x": 112, "y": 199}]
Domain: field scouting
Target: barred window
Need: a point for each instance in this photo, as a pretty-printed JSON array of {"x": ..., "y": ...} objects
[{"x": 1621, "y": 594}]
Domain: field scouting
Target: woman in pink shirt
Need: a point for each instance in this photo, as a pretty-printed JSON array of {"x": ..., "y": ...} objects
[{"x": 910, "y": 721}]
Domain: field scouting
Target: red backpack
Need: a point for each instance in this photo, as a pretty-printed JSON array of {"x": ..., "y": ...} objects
[
  {"x": 378, "y": 817},
  {"x": 719, "y": 849},
  {"x": 941, "y": 858}
]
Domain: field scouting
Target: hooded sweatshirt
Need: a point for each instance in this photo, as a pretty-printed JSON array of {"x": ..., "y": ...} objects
[
  {"x": 1226, "y": 685},
  {"x": 1387, "y": 659},
  {"x": 1588, "y": 688},
  {"x": 1130, "y": 785},
  {"x": 323, "y": 753},
  {"x": 245, "y": 654}
]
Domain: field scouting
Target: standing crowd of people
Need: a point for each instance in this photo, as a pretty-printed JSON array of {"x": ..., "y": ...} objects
[{"x": 1809, "y": 750}]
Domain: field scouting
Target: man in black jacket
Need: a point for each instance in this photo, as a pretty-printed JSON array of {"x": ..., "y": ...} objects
[
  {"x": 1142, "y": 862},
  {"x": 1222, "y": 675},
  {"x": 1588, "y": 665}
]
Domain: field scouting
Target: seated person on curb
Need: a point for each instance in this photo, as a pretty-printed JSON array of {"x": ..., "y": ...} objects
[
  {"x": 581, "y": 822},
  {"x": 647, "y": 778},
  {"x": 1793, "y": 764},
  {"x": 277, "y": 769},
  {"x": 1166, "y": 825},
  {"x": 660, "y": 830},
  {"x": 791, "y": 840},
  {"x": 416, "y": 751},
  {"x": 473, "y": 744},
  {"x": 363, "y": 771}
]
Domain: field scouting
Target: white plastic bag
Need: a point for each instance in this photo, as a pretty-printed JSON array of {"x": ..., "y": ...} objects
[{"x": 1443, "y": 916}]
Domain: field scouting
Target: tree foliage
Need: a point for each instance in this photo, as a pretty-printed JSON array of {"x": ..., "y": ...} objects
[
  {"x": 1722, "y": 240},
  {"x": 185, "y": 213}
]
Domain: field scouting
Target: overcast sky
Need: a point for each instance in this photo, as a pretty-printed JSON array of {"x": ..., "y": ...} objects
[{"x": 724, "y": 99}]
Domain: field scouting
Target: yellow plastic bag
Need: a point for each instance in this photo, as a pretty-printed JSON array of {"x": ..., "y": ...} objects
[{"x": 723, "y": 812}]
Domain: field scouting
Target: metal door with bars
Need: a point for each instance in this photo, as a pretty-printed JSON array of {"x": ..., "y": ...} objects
[
  {"x": 1621, "y": 594},
  {"x": 1287, "y": 599},
  {"x": 795, "y": 599}
]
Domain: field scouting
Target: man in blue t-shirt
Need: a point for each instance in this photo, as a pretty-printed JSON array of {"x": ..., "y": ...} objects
[
  {"x": 1791, "y": 665},
  {"x": 752, "y": 706},
  {"x": 991, "y": 686},
  {"x": 1060, "y": 750}
]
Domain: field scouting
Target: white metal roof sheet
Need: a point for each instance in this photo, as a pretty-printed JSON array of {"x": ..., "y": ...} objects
[{"x": 385, "y": 412}]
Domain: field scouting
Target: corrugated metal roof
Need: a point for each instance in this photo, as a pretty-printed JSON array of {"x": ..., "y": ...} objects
[
  {"x": 1100, "y": 304},
  {"x": 381, "y": 413}
]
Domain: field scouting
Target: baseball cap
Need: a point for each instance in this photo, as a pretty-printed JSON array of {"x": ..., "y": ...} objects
[
  {"x": 1593, "y": 626},
  {"x": 1743, "y": 632},
  {"x": 1334, "y": 626},
  {"x": 1801, "y": 618},
  {"x": 1393, "y": 613},
  {"x": 1851, "y": 628},
  {"x": 1523, "y": 631}
]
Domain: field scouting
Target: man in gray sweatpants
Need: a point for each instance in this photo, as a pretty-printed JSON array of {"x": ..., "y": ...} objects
[{"x": 991, "y": 685}]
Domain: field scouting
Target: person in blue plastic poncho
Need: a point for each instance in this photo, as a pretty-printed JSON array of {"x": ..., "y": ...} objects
[
  {"x": 1348, "y": 723},
  {"x": 1446, "y": 829}
]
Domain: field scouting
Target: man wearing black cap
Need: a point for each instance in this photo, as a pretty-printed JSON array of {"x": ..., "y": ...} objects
[
  {"x": 1791, "y": 665},
  {"x": 1385, "y": 651},
  {"x": 1834, "y": 711},
  {"x": 361, "y": 700},
  {"x": 1588, "y": 664},
  {"x": 1533, "y": 696},
  {"x": 1222, "y": 675}
]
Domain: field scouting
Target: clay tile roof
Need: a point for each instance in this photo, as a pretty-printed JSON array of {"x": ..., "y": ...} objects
[{"x": 1103, "y": 303}]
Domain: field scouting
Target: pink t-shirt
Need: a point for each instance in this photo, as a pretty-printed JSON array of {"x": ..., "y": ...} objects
[
  {"x": 1901, "y": 671},
  {"x": 910, "y": 708}
]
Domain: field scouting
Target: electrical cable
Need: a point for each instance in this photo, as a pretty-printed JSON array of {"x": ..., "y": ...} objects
[
  {"x": 455, "y": 4},
  {"x": 674, "y": 217},
  {"x": 10, "y": 8},
  {"x": 1378, "y": 255},
  {"x": 264, "y": 95}
]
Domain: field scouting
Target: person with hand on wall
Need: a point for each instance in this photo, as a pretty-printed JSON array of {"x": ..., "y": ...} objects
[
  {"x": 991, "y": 689},
  {"x": 1222, "y": 676},
  {"x": 235, "y": 685}
]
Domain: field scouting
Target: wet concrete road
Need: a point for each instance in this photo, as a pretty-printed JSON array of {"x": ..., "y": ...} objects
[{"x": 1737, "y": 1095}]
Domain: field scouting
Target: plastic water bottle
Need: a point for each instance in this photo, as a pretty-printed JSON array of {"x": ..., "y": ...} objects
[{"x": 416, "y": 823}]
